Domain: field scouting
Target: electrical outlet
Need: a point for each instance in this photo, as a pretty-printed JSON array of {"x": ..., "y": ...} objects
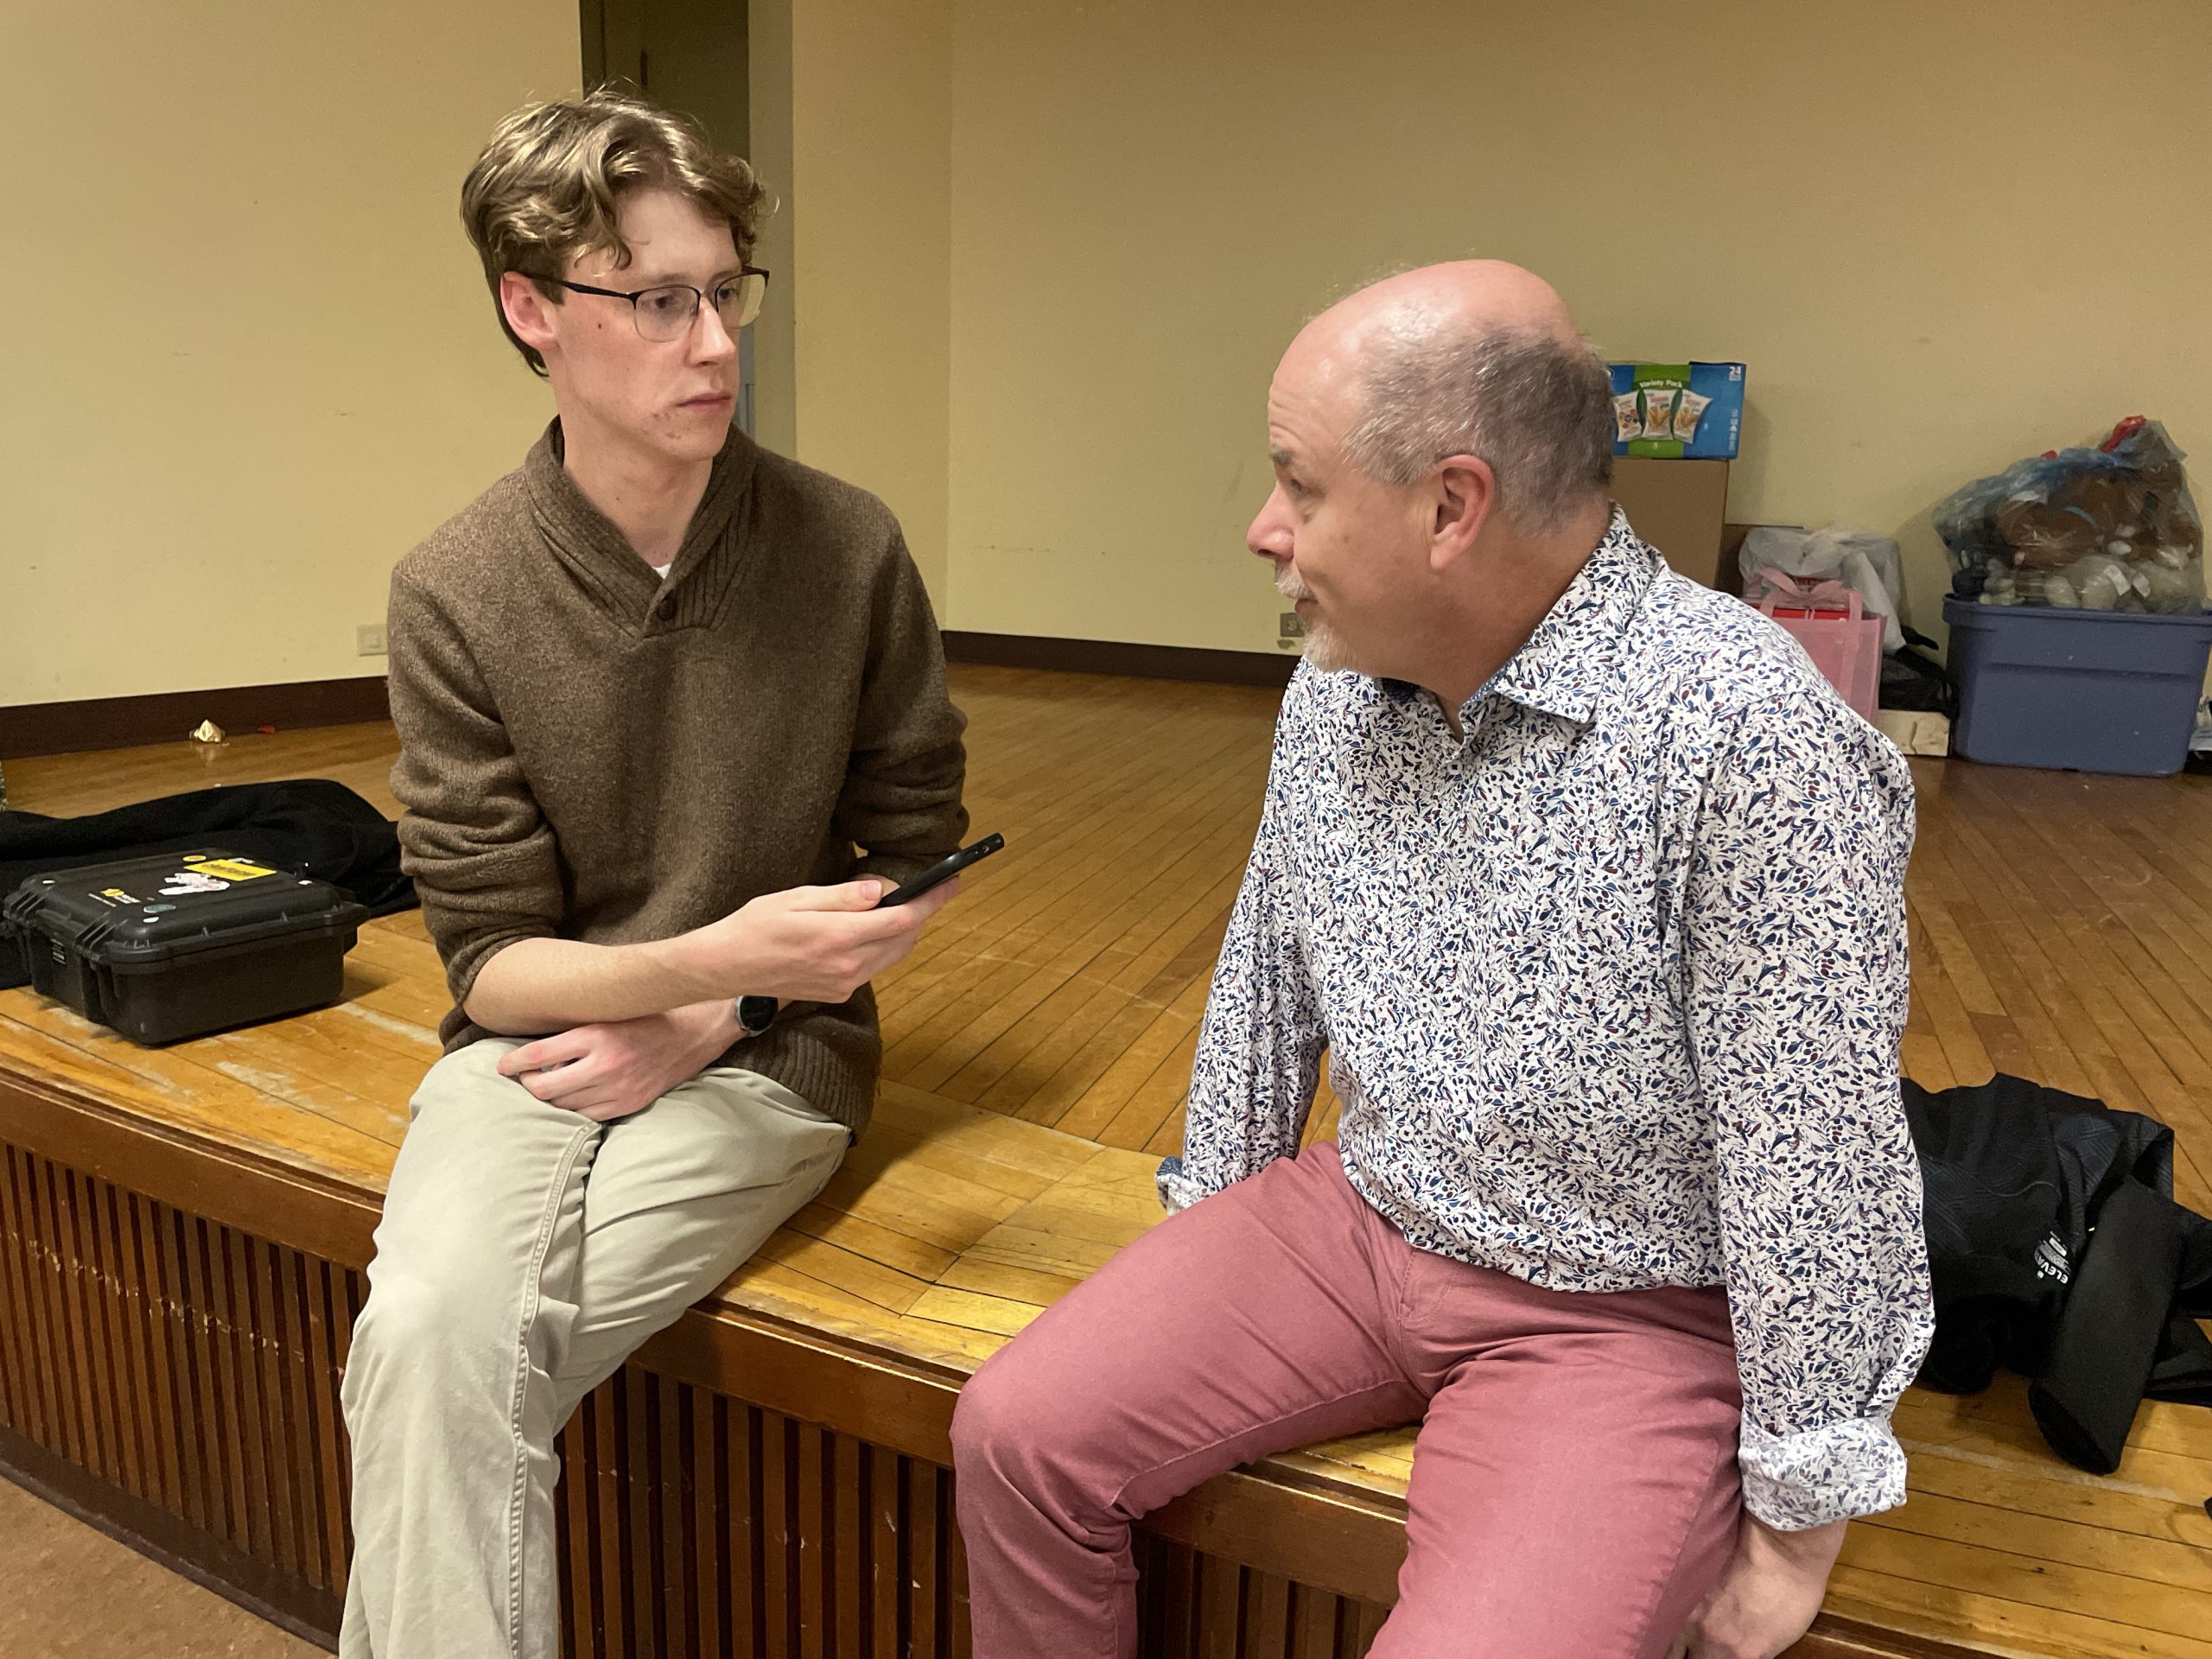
[{"x": 368, "y": 639}]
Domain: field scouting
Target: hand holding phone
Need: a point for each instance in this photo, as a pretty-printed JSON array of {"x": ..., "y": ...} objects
[
  {"x": 810, "y": 945},
  {"x": 944, "y": 870}
]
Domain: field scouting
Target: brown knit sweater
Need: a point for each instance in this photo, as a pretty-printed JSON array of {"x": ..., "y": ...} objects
[{"x": 589, "y": 752}]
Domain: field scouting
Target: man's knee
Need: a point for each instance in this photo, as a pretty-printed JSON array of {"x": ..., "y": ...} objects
[
  {"x": 995, "y": 1422},
  {"x": 439, "y": 1334},
  {"x": 461, "y": 1083},
  {"x": 1012, "y": 1428}
]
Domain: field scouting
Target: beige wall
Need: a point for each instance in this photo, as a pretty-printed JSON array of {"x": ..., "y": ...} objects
[
  {"x": 1036, "y": 265},
  {"x": 247, "y": 359},
  {"x": 869, "y": 189},
  {"x": 1943, "y": 236},
  {"x": 768, "y": 58}
]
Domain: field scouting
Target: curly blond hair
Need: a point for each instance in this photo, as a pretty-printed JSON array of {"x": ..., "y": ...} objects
[{"x": 546, "y": 188}]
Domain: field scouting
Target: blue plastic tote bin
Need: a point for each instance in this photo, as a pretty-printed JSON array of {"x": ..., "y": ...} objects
[{"x": 2083, "y": 691}]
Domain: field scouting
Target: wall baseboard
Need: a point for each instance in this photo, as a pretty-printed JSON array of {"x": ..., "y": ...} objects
[
  {"x": 1119, "y": 657},
  {"x": 31, "y": 729}
]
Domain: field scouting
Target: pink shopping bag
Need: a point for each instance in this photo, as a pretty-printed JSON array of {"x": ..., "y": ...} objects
[{"x": 1843, "y": 638}]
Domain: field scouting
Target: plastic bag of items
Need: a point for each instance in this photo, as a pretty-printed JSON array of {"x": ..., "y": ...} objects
[{"x": 2107, "y": 529}]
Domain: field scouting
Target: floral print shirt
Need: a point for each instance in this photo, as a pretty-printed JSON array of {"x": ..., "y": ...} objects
[{"x": 1612, "y": 987}]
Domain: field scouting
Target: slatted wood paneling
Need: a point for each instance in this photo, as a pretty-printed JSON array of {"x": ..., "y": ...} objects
[
  {"x": 195, "y": 1368},
  {"x": 1196, "y": 1606},
  {"x": 187, "y": 1365}
]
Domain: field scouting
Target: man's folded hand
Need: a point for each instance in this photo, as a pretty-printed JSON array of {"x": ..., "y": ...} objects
[{"x": 610, "y": 1070}]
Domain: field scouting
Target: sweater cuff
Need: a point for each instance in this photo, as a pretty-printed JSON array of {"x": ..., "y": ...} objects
[{"x": 1834, "y": 1473}]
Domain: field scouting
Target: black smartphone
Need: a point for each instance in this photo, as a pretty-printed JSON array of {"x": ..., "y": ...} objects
[{"x": 944, "y": 870}]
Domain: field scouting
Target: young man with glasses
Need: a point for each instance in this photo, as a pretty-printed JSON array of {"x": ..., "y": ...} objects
[{"x": 653, "y": 690}]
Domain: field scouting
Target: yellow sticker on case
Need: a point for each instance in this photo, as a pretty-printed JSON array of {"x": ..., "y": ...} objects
[{"x": 231, "y": 870}]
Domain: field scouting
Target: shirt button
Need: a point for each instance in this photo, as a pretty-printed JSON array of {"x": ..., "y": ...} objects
[{"x": 666, "y": 609}]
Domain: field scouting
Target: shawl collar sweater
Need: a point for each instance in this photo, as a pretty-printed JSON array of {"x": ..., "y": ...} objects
[{"x": 591, "y": 751}]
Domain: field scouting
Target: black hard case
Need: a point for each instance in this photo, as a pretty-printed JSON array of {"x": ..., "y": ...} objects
[{"x": 179, "y": 945}]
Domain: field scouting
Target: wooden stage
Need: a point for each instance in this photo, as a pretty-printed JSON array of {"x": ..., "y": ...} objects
[{"x": 181, "y": 1232}]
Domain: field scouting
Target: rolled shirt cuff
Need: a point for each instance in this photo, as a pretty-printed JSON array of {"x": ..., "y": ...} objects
[
  {"x": 1178, "y": 1192},
  {"x": 1835, "y": 1473}
]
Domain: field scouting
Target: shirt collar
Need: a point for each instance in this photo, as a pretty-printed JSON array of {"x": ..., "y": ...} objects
[{"x": 1564, "y": 664}]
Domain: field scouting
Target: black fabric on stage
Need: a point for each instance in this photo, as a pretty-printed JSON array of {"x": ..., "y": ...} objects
[
  {"x": 313, "y": 825},
  {"x": 2116, "y": 1315},
  {"x": 2056, "y": 1251}
]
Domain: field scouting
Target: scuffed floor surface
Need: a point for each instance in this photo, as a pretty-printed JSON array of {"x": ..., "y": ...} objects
[{"x": 76, "y": 1593}]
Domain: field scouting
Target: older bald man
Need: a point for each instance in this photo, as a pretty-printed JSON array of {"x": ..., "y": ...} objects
[{"x": 1593, "y": 889}]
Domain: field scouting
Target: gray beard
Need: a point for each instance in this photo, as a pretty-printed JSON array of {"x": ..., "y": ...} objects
[
  {"x": 1323, "y": 648},
  {"x": 1324, "y": 651}
]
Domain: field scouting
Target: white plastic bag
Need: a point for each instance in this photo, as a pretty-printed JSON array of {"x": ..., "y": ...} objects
[{"x": 1862, "y": 561}]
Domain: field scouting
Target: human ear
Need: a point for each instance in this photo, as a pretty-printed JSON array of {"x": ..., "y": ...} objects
[
  {"x": 1465, "y": 495},
  {"x": 527, "y": 310}
]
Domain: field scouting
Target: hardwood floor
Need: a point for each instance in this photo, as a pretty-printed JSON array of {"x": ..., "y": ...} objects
[
  {"x": 76, "y": 1593},
  {"x": 1038, "y": 1043}
]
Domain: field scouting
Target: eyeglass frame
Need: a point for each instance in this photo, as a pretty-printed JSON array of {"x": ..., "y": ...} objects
[{"x": 638, "y": 317}]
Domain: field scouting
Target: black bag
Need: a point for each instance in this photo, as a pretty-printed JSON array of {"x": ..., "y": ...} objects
[{"x": 1913, "y": 679}]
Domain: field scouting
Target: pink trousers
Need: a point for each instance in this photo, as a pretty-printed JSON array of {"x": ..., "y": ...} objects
[{"x": 1575, "y": 1488}]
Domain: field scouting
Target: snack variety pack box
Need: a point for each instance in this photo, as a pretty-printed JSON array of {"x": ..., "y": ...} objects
[{"x": 1678, "y": 411}]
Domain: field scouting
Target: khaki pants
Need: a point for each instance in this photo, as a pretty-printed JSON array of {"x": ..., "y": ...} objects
[{"x": 523, "y": 1253}]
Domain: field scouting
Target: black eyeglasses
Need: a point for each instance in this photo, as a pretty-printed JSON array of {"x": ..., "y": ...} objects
[{"x": 667, "y": 312}]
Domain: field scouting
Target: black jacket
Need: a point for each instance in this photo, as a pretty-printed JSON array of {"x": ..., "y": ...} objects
[{"x": 2056, "y": 1250}]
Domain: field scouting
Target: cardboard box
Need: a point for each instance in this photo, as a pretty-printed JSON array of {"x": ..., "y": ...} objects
[
  {"x": 1679, "y": 507},
  {"x": 1678, "y": 411}
]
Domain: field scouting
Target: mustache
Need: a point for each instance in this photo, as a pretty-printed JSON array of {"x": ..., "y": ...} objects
[{"x": 1288, "y": 585}]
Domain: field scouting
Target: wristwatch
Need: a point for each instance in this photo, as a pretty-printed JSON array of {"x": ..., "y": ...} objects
[{"x": 755, "y": 1014}]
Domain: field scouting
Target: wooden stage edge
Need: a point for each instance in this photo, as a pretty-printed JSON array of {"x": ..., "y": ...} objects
[{"x": 180, "y": 1307}]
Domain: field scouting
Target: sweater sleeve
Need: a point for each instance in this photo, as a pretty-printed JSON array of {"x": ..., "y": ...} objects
[
  {"x": 900, "y": 802},
  {"x": 482, "y": 856}
]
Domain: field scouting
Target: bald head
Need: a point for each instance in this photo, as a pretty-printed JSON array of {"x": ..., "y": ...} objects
[
  {"x": 1477, "y": 358},
  {"x": 1470, "y": 294}
]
